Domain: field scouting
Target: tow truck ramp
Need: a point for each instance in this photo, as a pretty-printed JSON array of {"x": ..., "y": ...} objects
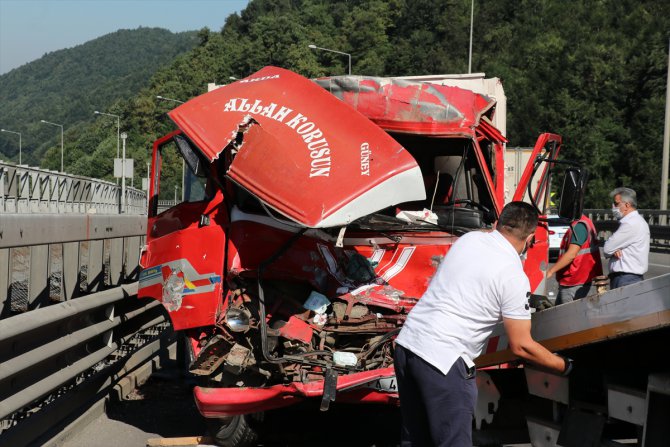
[
  {"x": 620, "y": 387},
  {"x": 622, "y": 312}
]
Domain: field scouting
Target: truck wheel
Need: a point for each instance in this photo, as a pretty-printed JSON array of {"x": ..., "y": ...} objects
[{"x": 236, "y": 431}]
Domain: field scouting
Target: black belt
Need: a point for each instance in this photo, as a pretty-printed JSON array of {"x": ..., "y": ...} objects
[{"x": 615, "y": 274}]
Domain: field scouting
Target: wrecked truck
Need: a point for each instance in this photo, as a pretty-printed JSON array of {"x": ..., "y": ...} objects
[{"x": 314, "y": 215}]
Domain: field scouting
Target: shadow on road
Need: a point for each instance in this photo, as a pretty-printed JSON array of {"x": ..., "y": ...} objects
[{"x": 164, "y": 405}]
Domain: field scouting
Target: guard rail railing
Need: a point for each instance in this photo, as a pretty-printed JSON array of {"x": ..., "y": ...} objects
[
  {"x": 56, "y": 362},
  {"x": 25, "y": 189},
  {"x": 52, "y": 258}
]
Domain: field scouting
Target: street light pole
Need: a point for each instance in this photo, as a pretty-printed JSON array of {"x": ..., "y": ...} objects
[
  {"x": 123, "y": 174},
  {"x": 666, "y": 141},
  {"x": 16, "y": 133},
  {"x": 314, "y": 47},
  {"x": 169, "y": 99},
  {"x": 472, "y": 15},
  {"x": 61, "y": 141},
  {"x": 118, "y": 128},
  {"x": 118, "y": 131}
]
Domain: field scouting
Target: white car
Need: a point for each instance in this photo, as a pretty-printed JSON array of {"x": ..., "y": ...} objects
[{"x": 557, "y": 229}]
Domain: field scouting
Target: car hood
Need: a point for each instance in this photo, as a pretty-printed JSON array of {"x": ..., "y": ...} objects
[{"x": 300, "y": 150}]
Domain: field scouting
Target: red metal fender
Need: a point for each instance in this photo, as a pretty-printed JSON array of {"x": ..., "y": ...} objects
[{"x": 221, "y": 402}]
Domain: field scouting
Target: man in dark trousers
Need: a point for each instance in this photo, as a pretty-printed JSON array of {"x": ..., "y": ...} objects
[
  {"x": 578, "y": 263},
  {"x": 628, "y": 248},
  {"x": 479, "y": 283}
]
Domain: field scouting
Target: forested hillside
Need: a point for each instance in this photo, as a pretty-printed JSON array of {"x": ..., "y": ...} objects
[
  {"x": 66, "y": 86},
  {"x": 593, "y": 71}
]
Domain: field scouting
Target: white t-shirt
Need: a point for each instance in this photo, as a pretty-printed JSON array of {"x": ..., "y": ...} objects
[
  {"x": 632, "y": 238},
  {"x": 480, "y": 280}
]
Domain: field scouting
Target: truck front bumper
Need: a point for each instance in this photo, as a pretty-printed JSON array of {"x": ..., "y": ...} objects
[{"x": 376, "y": 386}]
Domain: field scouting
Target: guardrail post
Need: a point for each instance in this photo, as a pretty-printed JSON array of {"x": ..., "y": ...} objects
[
  {"x": 3, "y": 178},
  {"x": 108, "y": 336},
  {"x": 55, "y": 278},
  {"x": 4, "y": 280},
  {"x": 131, "y": 269},
  {"x": 71, "y": 269},
  {"x": 39, "y": 276},
  {"x": 23, "y": 196},
  {"x": 115, "y": 261},
  {"x": 94, "y": 271}
]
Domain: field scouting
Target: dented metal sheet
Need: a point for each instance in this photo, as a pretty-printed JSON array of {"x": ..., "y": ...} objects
[
  {"x": 399, "y": 105},
  {"x": 300, "y": 150}
]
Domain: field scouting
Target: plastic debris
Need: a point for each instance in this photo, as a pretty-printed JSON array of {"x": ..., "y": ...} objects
[
  {"x": 342, "y": 358},
  {"x": 320, "y": 319},
  {"x": 317, "y": 302}
]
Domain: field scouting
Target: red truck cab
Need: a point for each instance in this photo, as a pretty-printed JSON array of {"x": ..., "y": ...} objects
[{"x": 314, "y": 215}]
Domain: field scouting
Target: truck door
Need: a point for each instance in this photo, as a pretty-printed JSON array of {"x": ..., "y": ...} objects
[
  {"x": 183, "y": 262},
  {"x": 535, "y": 187}
]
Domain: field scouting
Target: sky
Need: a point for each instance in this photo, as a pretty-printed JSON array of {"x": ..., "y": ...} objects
[{"x": 31, "y": 28}]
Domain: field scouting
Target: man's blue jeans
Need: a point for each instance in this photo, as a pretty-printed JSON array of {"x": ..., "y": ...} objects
[{"x": 623, "y": 279}]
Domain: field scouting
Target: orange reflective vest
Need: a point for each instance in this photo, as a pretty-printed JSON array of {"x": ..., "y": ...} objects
[{"x": 586, "y": 264}]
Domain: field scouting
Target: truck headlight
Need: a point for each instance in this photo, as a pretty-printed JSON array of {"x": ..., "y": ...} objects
[
  {"x": 237, "y": 319},
  {"x": 173, "y": 291}
]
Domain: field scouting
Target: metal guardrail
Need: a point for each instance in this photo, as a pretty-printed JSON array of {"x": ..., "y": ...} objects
[
  {"x": 48, "y": 259},
  {"x": 52, "y": 258},
  {"x": 71, "y": 327},
  {"x": 25, "y": 189},
  {"x": 56, "y": 362}
]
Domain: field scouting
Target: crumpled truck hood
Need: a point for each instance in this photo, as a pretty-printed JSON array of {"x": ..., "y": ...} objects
[
  {"x": 300, "y": 150},
  {"x": 405, "y": 106}
]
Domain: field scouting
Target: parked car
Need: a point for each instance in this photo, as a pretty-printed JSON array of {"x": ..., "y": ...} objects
[{"x": 557, "y": 229}]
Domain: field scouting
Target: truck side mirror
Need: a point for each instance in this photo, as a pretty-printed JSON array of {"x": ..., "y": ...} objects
[
  {"x": 190, "y": 157},
  {"x": 572, "y": 193}
]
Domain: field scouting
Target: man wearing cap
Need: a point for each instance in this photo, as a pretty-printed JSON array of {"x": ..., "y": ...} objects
[{"x": 628, "y": 248}]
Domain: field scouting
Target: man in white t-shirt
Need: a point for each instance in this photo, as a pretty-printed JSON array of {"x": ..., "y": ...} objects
[{"x": 479, "y": 283}]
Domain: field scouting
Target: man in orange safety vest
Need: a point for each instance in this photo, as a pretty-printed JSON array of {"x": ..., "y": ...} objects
[{"x": 578, "y": 262}]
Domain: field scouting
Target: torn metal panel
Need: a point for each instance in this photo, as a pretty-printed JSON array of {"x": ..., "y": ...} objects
[
  {"x": 303, "y": 152},
  {"x": 296, "y": 329},
  {"x": 399, "y": 105}
]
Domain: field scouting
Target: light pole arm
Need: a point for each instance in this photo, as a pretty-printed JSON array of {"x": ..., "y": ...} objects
[
  {"x": 118, "y": 128},
  {"x": 61, "y": 150},
  {"x": 334, "y": 51},
  {"x": 169, "y": 99}
]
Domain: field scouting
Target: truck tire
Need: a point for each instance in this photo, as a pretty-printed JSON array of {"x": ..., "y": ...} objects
[{"x": 236, "y": 431}]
